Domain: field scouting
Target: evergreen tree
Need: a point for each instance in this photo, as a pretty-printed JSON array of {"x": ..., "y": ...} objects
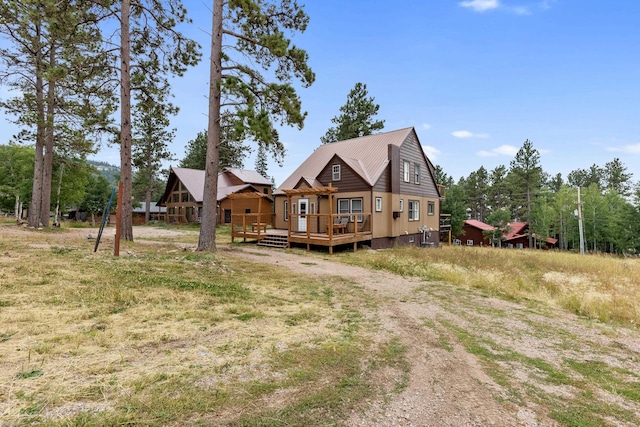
[
  {"x": 527, "y": 176},
  {"x": 617, "y": 178},
  {"x": 97, "y": 193},
  {"x": 150, "y": 50},
  {"x": 261, "y": 162},
  {"x": 356, "y": 118},
  {"x": 255, "y": 36},
  {"x": 232, "y": 153},
  {"x": 55, "y": 60},
  {"x": 150, "y": 140}
]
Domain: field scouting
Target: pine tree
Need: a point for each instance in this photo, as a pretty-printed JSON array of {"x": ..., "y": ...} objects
[
  {"x": 356, "y": 118},
  {"x": 527, "y": 176},
  {"x": 254, "y": 31}
]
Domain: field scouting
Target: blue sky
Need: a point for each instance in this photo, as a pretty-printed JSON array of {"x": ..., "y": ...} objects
[{"x": 475, "y": 78}]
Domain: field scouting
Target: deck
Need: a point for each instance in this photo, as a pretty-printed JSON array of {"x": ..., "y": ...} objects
[{"x": 321, "y": 230}]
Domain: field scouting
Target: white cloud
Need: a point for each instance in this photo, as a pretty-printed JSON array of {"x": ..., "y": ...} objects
[
  {"x": 431, "y": 152},
  {"x": 463, "y": 134},
  {"x": 629, "y": 148},
  {"x": 503, "y": 150},
  {"x": 426, "y": 126},
  {"x": 521, "y": 10},
  {"x": 480, "y": 5}
]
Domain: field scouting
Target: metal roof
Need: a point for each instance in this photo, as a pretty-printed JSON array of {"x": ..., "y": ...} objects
[
  {"x": 368, "y": 156},
  {"x": 478, "y": 224}
]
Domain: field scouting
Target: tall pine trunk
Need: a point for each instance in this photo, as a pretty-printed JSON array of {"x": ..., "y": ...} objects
[
  {"x": 207, "y": 239},
  {"x": 47, "y": 174},
  {"x": 36, "y": 190},
  {"x": 126, "y": 223}
]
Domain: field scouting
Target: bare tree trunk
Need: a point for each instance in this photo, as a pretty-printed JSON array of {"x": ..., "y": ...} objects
[
  {"x": 35, "y": 208},
  {"x": 126, "y": 173},
  {"x": 48, "y": 152},
  {"x": 207, "y": 239},
  {"x": 147, "y": 193}
]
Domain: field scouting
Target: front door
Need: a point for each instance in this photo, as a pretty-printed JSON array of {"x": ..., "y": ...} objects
[{"x": 303, "y": 208}]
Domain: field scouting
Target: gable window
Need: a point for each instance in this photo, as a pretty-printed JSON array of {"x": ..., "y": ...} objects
[
  {"x": 378, "y": 204},
  {"x": 431, "y": 208},
  {"x": 405, "y": 171},
  {"x": 335, "y": 172},
  {"x": 416, "y": 174},
  {"x": 286, "y": 210},
  {"x": 414, "y": 210}
]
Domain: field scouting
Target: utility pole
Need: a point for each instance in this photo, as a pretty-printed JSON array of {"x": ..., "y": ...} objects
[{"x": 580, "y": 224}]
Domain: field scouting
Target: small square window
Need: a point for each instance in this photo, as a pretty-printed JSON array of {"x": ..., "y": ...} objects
[
  {"x": 431, "y": 208},
  {"x": 335, "y": 172},
  {"x": 401, "y": 205},
  {"x": 378, "y": 204},
  {"x": 469, "y": 242}
]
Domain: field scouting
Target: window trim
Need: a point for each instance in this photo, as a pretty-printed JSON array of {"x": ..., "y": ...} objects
[
  {"x": 336, "y": 172},
  {"x": 286, "y": 210},
  {"x": 431, "y": 208},
  {"x": 405, "y": 171},
  {"x": 378, "y": 204},
  {"x": 416, "y": 173},
  {"x": 401, "y": 205},
  {"x": 414, "y": 210},
  {"x": 350, "y": 211}
]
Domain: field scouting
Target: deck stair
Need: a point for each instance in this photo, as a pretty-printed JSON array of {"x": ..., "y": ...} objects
[{"x": 275, "y": 241}]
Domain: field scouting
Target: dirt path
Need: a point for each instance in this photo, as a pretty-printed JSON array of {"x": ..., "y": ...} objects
[{"x": 446, "y": 387}]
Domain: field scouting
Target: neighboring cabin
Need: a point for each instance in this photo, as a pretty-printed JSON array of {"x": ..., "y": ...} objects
[
  {"x": 185, "y": 189},
  {"x": 516, "y": 237},
  {"x": 380, "y": 188},
  {"x": 473, "y": 233}
]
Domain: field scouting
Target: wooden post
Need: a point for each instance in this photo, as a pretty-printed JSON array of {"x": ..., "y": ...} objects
[{"x": 116, "y": 243}]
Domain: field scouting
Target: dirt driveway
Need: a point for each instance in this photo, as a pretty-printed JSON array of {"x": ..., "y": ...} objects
[{"x": 449, "y": 386}]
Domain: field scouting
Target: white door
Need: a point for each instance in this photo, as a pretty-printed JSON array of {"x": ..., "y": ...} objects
[{"x": 303, "y": 207}]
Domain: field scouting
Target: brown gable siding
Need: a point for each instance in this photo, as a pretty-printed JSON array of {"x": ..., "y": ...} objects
[
  {"x": 411, "y": 151},
  {"x": 349, "y": 180}
]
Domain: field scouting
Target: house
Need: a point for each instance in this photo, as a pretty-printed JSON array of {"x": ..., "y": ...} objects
[
  {"x": 474, "y": 233},
  {"x": 518, "y": 237},
  {"x": 185, "y": 189},
  {"x": 156, "y": 213},
  {"x": 379, "y": 189}
]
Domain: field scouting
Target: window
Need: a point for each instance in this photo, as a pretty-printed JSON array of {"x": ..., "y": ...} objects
[
  {"x": 286, "y": 210},
  {"x": 469, "y": 242},
  {"x": 378, "y": 204},
  {"x": 401, "y": 205},
  {"x": 312, "y": 208},
  {"x": 184, "y": 197},
  {"x": 335, "y": 172},
  {"x": 416, "y": 174},
  {"x": 412, "y": 239},
  {"x": 414, "y": 210},
  {"x": 265, "y": 190},
  {"x": 431, "y": 208},
  {"x": 350, "y": 206},
  {"x": 405, "y": 171}
]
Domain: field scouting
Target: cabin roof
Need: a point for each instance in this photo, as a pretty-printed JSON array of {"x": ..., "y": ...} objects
[{"x": 479, "y": 225}]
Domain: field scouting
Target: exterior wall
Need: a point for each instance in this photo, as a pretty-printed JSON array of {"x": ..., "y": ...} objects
[
  {"x": 411, "y": 151},
  {"x": 241, "y": 206},
  {"x": 349, "y": 180},
  {"x": 181, "y": 206},
  {"x": 474, "y": 234}
]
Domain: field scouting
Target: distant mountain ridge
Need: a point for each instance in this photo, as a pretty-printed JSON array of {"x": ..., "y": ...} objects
[{"x": 111, "y": 172}]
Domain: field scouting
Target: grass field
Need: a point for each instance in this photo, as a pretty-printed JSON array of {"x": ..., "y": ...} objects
[{"x": 163, "y": 335}]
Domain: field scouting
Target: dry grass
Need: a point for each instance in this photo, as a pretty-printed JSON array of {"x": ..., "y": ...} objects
[
  {"x": 162, "y": 335},
  {"x": 601, "y": 287}
]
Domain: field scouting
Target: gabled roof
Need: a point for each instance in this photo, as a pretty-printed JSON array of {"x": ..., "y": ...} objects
[
  {"x": 193, "y": 181},
  {"x": 516, "y": 229},
  {"x": 247, "y": 176},
  {"x": 367, "y": 156},
  {"x": 479, "y": 225}
]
